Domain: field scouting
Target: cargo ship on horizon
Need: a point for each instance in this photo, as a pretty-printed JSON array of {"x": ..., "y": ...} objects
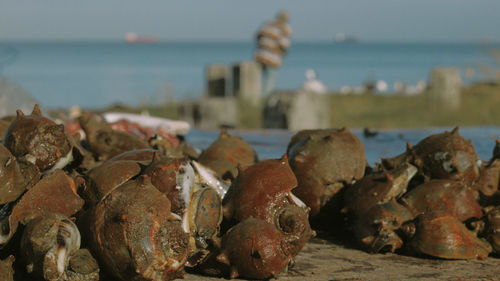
[{"x": 134, "y": 38}]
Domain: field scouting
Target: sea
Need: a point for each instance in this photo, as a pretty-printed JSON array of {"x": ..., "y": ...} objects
[
  {"x": 96, "y": 74},
  {"x": 270, "y": 144}
]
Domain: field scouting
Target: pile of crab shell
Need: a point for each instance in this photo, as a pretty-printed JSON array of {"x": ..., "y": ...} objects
[
  {"x": 437, "y": 199},
  {"x": 87, "y": 200}
]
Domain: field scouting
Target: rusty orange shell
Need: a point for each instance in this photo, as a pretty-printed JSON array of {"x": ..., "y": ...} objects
[
  {"x": 452, "y": 197},
  {"x": 226, "y": 153},
  {"x": 252, "y": 249},
  {"x": 442, "y": 235},
  {"x": 323, "y": 162}
]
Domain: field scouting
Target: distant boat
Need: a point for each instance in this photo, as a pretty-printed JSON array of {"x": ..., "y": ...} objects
[
  {"x": 134, "y": 38},
  {"x": 344, "y": 38}
]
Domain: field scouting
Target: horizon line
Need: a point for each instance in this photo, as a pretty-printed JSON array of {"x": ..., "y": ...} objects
[{"x": 300, "y": 41}]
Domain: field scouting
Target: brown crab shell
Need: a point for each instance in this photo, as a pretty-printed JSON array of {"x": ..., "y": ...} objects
[
  {"x": 445, "y": 155},
  {"x": 163, "y": 173},
  {"x": 141, "y": 155},
  {"x": 106, "y": 142},
  {"x": 30, "y": 172},
  {"x": 442, "y": 235},
  {"x": 55, "y": 193},
  {"x": 135, "y": 235},
  {"x": 6, "y": 269},
  {"x": 493, "y": 228},
  {"x": 103, "y": 179},
  {"x": 199, "y": 205},
  {"x": 106, "y": 177},
  {"x": 294, "y": 224},
  {"x": 37, "y": 140},
  {"x": 377, "y": 188},
  {"x": 324, "y": 161},
  {"x": 204, "y": 219},
  {"x": 260, "y": 190},
  {"x": 226, "y": 154},
  {"x": 203, "y": 212},
  {"x": 376, "y": 229},
  {"x": 489, "y": 178},
  {"x": 166, "y": 147},
  {"x": 452, "y": 197},
  {"x": 12, "y": 183},
  {"x": 253, "y": 249},
  {"x": 81, "y": 267},
  {"x": 47, "y": 243}
]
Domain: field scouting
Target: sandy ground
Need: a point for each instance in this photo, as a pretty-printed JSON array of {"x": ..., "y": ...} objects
[{"x": 321, "y": 259}]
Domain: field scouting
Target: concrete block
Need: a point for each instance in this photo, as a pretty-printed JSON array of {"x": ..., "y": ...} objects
[
  {"x": 247, "y": 81},
  {"x": 296, "y": 110},
  {"x": 209, "y": 113},
  {"x": 445, "y": 87},
  {"x": 218, "y": 80}
]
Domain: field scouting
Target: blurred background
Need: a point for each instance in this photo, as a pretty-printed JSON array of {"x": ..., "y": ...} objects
[{"x": 381, "y": 64}]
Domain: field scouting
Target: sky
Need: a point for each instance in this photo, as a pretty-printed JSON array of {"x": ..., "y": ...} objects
[{"x": 237, "y": 20}]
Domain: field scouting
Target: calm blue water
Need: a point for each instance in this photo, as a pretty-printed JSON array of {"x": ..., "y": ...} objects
[
  {"x": 388, "y": 143},
  {"x": 95, "y": 74}
]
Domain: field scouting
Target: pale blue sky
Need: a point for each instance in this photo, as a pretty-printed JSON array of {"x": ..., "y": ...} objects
[{"x": 370, "y": 20}]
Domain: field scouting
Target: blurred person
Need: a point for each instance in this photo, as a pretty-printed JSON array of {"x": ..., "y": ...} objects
[{"x": 273, "y": 40}]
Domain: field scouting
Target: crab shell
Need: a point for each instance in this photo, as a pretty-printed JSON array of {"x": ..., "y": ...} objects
[
  {"x": 39, "y": 140},
  {"x": 489, "y": 178},
  {"x": 193, "y": 191},
  {"x": 378, "y": 188},
  {"x": 376, "y": 230},
  {"x": 135, "y": 235},
  {"x": 226, "y": 153},
  {"x": 253, "y": 249},
  {"x": 259, "y": 190},
  {"x": 81, "y": 267},
  {"x": 6, "y": 270},
  {"x": 493, "y": 230},
  {"x": 105, "y": 178},
  {"x": 12, "y": 182},
  {"x": 324, "y": 161},
  {"x": 163, "y": 173},
  {"x": 106, "y": 142},
  {"x": 54, "y": 193},
  {"x": 47, "y": 243},
  {"x": 444, "y": 236},
  {"x": 262, "y": 191},
  {"x": 196, "y": 195},
  {"x": 168, "y": 145},
  {"x": 441, "y": 156},
  {"x": 452, "y": 197}
]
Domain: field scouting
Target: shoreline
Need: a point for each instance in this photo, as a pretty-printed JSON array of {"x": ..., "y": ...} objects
[{"x": 377, "y": 112}]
